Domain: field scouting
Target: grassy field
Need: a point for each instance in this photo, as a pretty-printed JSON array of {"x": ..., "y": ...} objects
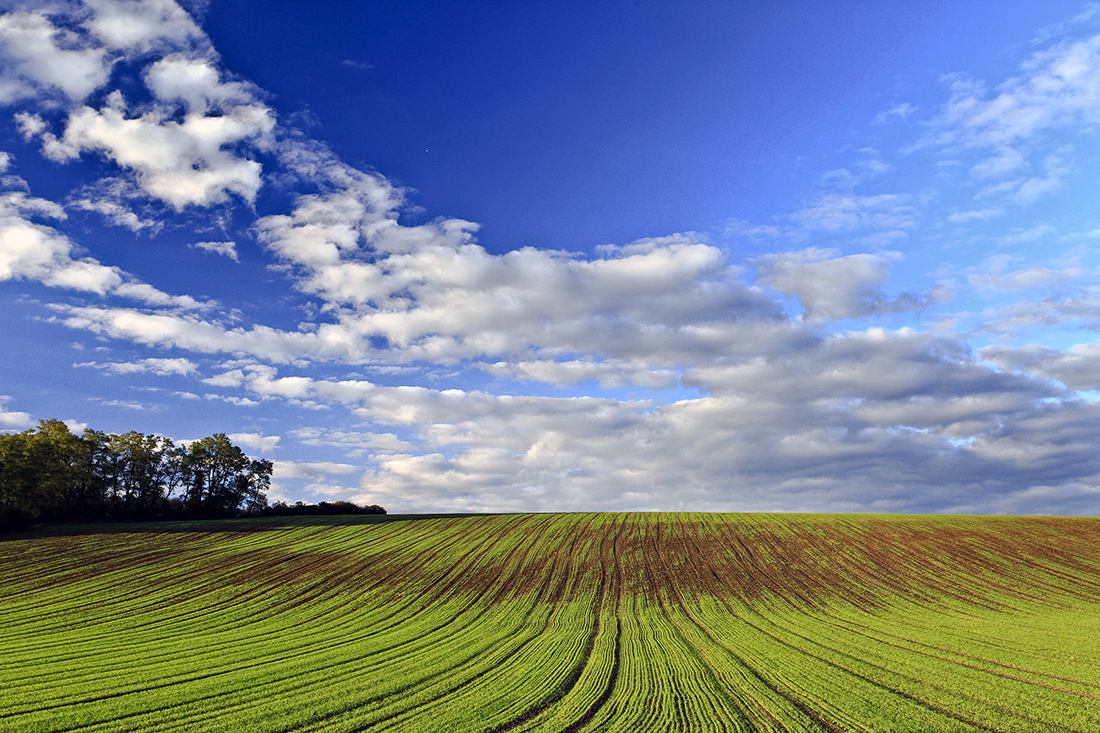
[{"x": 570, "y": 622}]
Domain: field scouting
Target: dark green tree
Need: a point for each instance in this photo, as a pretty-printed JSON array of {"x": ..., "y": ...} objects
[
  {"x": 48, "y": 473},
  {"x": 147, "y": 471},
  {"x": 37, "y": 468},
  {"x": 221, "y": 481}
]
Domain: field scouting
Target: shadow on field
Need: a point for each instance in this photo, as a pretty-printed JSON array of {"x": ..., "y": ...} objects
[{"x": 251, "y": 524}]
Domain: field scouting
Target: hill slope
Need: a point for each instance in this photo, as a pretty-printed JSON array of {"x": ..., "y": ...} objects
[{"x": 631, "y": 622}]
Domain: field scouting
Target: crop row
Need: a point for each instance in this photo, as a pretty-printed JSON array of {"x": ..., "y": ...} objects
[{"x": 593, "y": 622}]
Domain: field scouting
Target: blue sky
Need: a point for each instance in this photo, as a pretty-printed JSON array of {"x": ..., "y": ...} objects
[{"x": 566, "y": 256}]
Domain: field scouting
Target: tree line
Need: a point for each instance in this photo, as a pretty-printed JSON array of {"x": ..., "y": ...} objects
[{"x": 50, "y": 474}]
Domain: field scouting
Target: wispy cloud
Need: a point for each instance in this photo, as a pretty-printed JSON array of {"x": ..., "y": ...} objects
[
  {"x": 227, "y": 249},
  {"x": 163, "y": 367}
]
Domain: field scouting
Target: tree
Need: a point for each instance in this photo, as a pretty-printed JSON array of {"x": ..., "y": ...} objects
[
  {"x": 36, "y": 469},
  {"x": 17, "y": 497},
  {"x": 148, "y": 466},
  {"x": 85, "y": 497},
  {"x": 48, "y": 473},
  {"x": 220, "y": 480}
]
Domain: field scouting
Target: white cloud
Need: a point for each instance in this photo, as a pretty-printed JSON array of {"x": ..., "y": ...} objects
[
  {"x": 1054, "y": 30},
  {"x": 192, "y": 333},
  {"x": 889, "y": 420},
  {"x": 75, "y": 426},
  {"x": 179, "y": 162},
  {"x": 232, "y": 378},
  {"x": 1036, "y": 233},
  {"x": 837, "y": 212},
  {"x": 1005, "y": 162},
  {"x": 33, "y": 251},
  {"x": 13, "y": 420},
  {"x": 898, "y": 111},
  {"x": 862, "y": 420},
  {"x": 257, "y": 441},
  {"x": 37, "y": 57},
  {"x": 162, "y": 367},
  {"x": 114, "y": 199},
  {"x": 227, "y": 249},
  {"x": 963, "y": 217},
  {"x": 992, "y": 275},
  {"x": 832, "y": 288},
  {"x": 610, "y": 374},
  {"x": 197, "y": 84},
  {"x": 432, "y": 293},
  {"x": 1058, "y": 88},
  {"x": 1077, "y": 367},
  {"x": 143, "y": 25},
  {"x": 1027, "y": 313},
  {"x": 1056, "y": 168},
  {"x": 741, "y": 229},
  {"x": 37, "y": 252},
  {"x": 118, "y": 214},
  {"x": 354, "y": 444},
  {"x": 238, "y": 401},
  {"x": 313, "y": 471},
  {"x": 188, "y": 147},
  {"x": 128, "y": 404}
]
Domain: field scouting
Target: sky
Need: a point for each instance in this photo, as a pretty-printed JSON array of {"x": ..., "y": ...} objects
[{"x": 569, "y": 256}]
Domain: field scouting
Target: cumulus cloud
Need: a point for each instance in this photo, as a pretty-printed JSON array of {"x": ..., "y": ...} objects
[
  {"x": 719, "y": 453},
  {"x": 186, "y": 148},
  {"x": 832, "y": 288},
  {"x": 431, "y": 292},
  {"x": 75, "y": 58},
  {"x": 886, "y": 420},
  {"x": 190, "y": 332},
  {"x": 892, "y": 421},
  {"x": 10, "y": 420},
  {"x": 1077, "y": 367},
  {"x": 143, "y": 25},
  {"x": 609, "y": 374},
  {"x": 34, "y": 251},
  {"x": 38, "y": 57},
  {"x": 182, "y": 163},
  {"x": 257, "y": 441}
]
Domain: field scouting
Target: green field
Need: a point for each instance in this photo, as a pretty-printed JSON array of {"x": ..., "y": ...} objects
[{"x": 568, "y": 622}]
